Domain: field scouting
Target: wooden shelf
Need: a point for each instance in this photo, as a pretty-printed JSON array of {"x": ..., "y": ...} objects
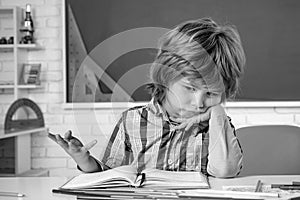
[
  {"x": 6, "y": 47},
  {"x": 7, "y": 86},
  {"x": 28, "y": 86},
  {"x": 19, "y": 133},
  {"x": 29, "y": 46}
]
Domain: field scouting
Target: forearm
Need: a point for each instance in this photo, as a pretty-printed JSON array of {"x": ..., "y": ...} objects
[
  {"x": 88, "y": 164},
  {"x": 225, "y": 156}
]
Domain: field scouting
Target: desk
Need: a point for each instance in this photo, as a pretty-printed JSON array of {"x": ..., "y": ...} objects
[{"x": 37, "y": 188}]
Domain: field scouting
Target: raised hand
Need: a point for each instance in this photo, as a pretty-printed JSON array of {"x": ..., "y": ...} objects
[{"x": 72, "y": 145}]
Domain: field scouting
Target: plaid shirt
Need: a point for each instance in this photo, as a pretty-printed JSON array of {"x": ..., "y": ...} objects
[{"x": 145, "y": 137}]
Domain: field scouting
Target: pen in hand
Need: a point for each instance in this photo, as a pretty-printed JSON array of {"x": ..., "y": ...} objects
[
  {"x": 63, "y": 142},
  {"x": 11, "y": 194},
  {"x": 258, "y": 186}
]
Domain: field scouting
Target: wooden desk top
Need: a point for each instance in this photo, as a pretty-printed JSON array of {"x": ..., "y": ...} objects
[{"x": 37, "y": 188}]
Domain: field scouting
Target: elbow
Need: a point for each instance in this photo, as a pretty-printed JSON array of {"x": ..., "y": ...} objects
[{"x": 225, "y": 170}]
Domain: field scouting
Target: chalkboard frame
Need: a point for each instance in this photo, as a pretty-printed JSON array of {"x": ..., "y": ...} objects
[{"x": 236, "y": 103}]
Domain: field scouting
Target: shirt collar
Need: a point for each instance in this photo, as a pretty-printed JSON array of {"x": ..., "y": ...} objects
[{"x": 155, "y": 108}]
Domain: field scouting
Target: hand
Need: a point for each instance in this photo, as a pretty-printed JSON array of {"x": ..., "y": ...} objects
[
  {"x": 72, "y": 145},
  {"x": 187, "y": 123}
]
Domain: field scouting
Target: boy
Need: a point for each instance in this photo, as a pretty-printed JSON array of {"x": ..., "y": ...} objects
[{"x": 184, "y": 126}]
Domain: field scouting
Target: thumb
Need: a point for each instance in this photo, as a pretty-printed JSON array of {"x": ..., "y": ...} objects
[{"x": 90, "y": 145}]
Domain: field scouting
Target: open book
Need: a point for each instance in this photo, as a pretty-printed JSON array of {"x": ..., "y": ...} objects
[{"x": 127, "y": 175}]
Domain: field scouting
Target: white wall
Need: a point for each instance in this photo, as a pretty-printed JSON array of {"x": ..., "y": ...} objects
[{"x": 89, "y": 123}]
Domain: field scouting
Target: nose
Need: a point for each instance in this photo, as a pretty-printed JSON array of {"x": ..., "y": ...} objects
[{"x": 198, "y": 99}]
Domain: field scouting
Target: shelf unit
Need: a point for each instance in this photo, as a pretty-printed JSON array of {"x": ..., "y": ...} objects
[
  {"x": 15, "y": 148},
  {"x": 15, "y": 151},
  {"x": 10, "y": 23}
]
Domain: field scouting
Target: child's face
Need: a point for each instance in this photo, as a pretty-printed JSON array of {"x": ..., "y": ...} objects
[{"x": 183, "y": 100}]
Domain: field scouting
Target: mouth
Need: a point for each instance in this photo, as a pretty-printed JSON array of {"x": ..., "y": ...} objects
[{"x": 188, "y": 114}]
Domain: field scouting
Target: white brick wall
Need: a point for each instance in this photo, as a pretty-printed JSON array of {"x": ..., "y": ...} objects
[{"x": 87, "y": 124}]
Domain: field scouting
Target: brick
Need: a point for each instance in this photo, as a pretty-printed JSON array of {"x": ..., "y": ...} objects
[
  {"x": 47, "y": 10},
  {"x": 47, "y": 97},
  {"x": 55, "y": 87},
  {"x": 48, "y": 162},
  {"x": 90, "y": 118},
  {"x": 40, "y": 22},
  {"x": 8, "y": 66},
  {"x": 7, "y": 77},
  {"x": 46, "y": 55},
  {"x": 47, "y": 32},
  {"x": 22, "y": 3},
  {"x": 38, "y": 152},
  {"x": 52, "y": 43},
  {"x": 53, "y": 2},
  {"x": 51, "y": 76},
  {"x": 6, "y": 56},
  {"x": 56, "y": 151},
  {"x": 6, "y": 100},
  {"x": 77, "y": 130},
  {"x": 54, "y": 22},
  {"x": 55, "y": 66},
  {"x": 71, "y": 164},
  {"x": 55, "y": 108},
  {"x": 63, "y": 172},
  {"x": 53, "y": 119},
  {"x": 44, "y": 141}
]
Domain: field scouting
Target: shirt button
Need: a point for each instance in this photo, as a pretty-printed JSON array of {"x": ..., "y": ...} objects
[{"x": 170, "y": 161}]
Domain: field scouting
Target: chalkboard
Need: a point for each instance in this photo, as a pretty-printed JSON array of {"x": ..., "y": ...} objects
[{"x": 269, "y": 29}]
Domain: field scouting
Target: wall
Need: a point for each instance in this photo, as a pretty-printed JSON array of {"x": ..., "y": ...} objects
[{"x": 89, "y": 123}]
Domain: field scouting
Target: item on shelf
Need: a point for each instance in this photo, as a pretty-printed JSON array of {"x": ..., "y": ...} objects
[
  {"x": 6, "y": 82},
  {"x": 31, "y": 74},
  {"x": 10, "y": 40},
  {"x": 3, "y": 40},
  {"x": 23, "y": 114},
  {"x": 28, "y": 28}
]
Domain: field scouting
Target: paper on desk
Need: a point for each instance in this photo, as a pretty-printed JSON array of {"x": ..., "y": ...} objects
[{"x": 265, "y": 189}]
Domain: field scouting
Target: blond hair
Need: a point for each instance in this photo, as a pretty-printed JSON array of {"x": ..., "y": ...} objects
[{"x": 199, "y": 49}]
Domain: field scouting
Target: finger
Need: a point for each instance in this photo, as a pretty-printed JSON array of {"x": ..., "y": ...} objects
[
  {"x": 179, "y": 120},
  {"x": 52, "y": 136},
  {"x": 182, "y": 125},
  {"x": 74, "y": 145},
  {"x": 68, "y": 135},
  {"x": 189, "y": 125},
  {"x": 61, "y": 141},
  {"x": 90, "y": 145}
]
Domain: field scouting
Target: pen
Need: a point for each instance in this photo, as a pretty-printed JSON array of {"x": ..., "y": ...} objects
[
  {"x": 284, "y": 185},
  {"x": 289, "y": 187},
  {"x": 87, "y": 147},
  {"x": 296, "y": 182},
  {"x": 258, "y": 186},
  {"x": 11, "y": 194}
]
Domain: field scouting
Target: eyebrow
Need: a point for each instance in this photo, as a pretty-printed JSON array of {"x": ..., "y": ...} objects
[{"x": 202, "y": 87}]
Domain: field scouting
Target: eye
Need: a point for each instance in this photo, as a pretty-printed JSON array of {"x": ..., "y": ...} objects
[
  {"x": 211, "y": 94},
  {"x": 190, "y": 88}
]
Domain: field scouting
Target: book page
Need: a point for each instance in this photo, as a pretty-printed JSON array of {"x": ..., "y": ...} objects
[
  {"x": 175, "y": 179},
  {"x": 120, "y": 176}
]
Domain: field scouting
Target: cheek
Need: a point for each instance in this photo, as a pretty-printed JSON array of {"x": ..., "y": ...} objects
[{"x": 212, "y": 101}]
